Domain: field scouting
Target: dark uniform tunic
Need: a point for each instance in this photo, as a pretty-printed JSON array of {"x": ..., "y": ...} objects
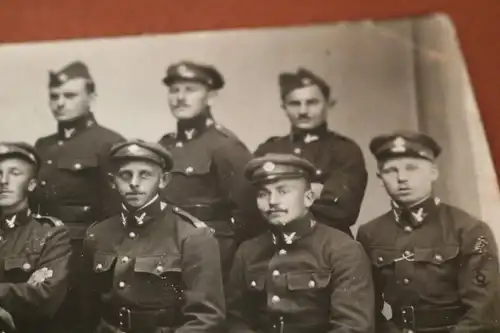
[
  {"x": 304, "y": 277},
  {"x": 436, "y": 266},
  {"x": 34, "y": 256},
  {"x": 153, "y": 271},
  {"x": 340, "y": 168},
  {"x": 208, "y": 181}
]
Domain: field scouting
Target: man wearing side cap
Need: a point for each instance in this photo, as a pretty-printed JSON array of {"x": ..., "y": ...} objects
[
  {"x": 434, "y": 264},
  {"x": 34, "y": 249},
  {"x": 72, "y": 182},
  {"x": 341, "y": 177},
  {"x": 301, "y": 276},
  {"x": 151, "y": 268},
  {"x": 207, "y": 177}
]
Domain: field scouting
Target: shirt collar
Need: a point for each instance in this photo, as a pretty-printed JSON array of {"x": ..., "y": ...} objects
[
  {"x": 308, "y": 136},
  {"x": 142, "y": 215},
  {"x": 67, "y": 130},
  {"x": 189, "y": 129},
  {"x": 416, "y": 214},
  {"x": 12, "y": 221}
]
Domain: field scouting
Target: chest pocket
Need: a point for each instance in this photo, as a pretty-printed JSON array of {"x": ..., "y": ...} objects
[
  {"x": 190, "y": 162},
  {"x": 19, "y": 268},
  {"x": 312, "y": 281},
  {"x": 77, "y": 164},
  {"x": 158, "y": 266},
  {"x": 437, "y": 256}
]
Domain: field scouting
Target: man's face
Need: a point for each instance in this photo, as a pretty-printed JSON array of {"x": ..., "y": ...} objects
[
  {"x": 71, "y": 100},
  {"x": 407, "y": 179},
  {"x": 138, "y": 182},
  {"x": 16, "y": 181},
  {"x": 285, "y": 200},
  {"x": 306, "y": 107},
  {"x": 188, "y": 99}
]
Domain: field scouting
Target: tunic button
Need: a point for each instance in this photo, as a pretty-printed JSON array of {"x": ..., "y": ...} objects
[
  {"x": 132, "y": 234},
  {"x": 189, "y": 169},
  {"x": 121, "y": 284},
  {"x": 159, "y": 268},
  {"x": 406, "y": 281},
  {"x": 1, "y": 238},
  {"x": 408, "y": 229},
  {"x": 312, "y": 284},
  {"x": 60, "y": 143},
  {"x": 275, "y": 299},
  {"x": 26, "y": 266},
  {"x": 282, "y": 252},
  {"x": 98, "y": 267},
  {"x": 380, "y": 259},
  {"x": 43, "y": 183},
  {"x": 253, "y": 284},
  {"x": 438, "y": 257},
  {"x": 179, "y": 144},
  {"x": 276, "y": 273},
  {"x": 319, "y": 172},
  {"x": 78, "y": 166},
  {"x": 49, "y": 162},
  {"x": 297, "y": 151},
  {"x": 125, "y": 259},
  {"x": 407, "y": 253}
]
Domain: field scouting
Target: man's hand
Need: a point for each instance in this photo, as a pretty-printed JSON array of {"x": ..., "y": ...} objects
[
  {"x": 317, "y": 188},
  {"x": 40, "y": 276}
]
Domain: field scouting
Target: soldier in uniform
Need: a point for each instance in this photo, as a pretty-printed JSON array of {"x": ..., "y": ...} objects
[
  {"x": 151, "y": 268},
  {"x": 341, "y": 177},
  {"x": 73, "y": 184},
  {"x": 434, "y": 264},
  {"x": 207, "y": 176},
  {"x": 34, "y": 249},
  {"x": 301, "y": 276}
]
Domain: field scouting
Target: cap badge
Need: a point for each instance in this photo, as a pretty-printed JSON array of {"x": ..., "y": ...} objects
[
  {"x": 399, "y": 145},
  {"x": 133, "y": 148},
  {"x": 63, "y": 77},
  {"x": 268, "y": 166},
  {"x": 4, "y": 149},
  {"x": 306, "y": 81},
  {"x": 184, "y": 71}
]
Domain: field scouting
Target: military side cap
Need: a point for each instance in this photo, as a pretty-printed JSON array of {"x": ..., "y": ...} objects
[
  {"x": 302, "y": 78},
  {"x": 404, "y": 144},
  {"x": 21, "y": 150},
  {"x": 278, "y": 166},
  {"x": 73, "y": 70},
  {"x": 190, "y": 71},
  {"x": 137, "y": 149}
]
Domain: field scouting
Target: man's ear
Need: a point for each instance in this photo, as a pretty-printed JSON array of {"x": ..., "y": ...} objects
[
  {"x": 212, "y": 95},
  {"x": 434, "y": 171},
  {"x": 165, "y": 179},
  {"x": 331, "y": 103}
]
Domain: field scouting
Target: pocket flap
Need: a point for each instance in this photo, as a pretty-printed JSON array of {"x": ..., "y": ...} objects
[
  {"x": 21, "y": 263},
  {"x": 196, "y": 164},
  {"x": 382, "y": 257},
  {"x": 308, "y": 280},
  {"x": 437, "y": 255},
  {"x": 103, "y": 262},
  {"x": 256, "y": 281},
  {"x": 78, "y": 163},
  {"x": 157, "y": 265}
]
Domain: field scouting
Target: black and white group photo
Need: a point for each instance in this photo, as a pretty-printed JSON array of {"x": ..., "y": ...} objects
[{"x": 329, "y": 178}]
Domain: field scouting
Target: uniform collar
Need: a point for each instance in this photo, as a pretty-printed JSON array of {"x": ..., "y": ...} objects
[
  {"x": 308, "y": 136},
  {"x": 416, "y": 214},
  {"x": 293, "y": 231},
  {"x": 188, "y": 129},
  {"x": 143, "y": 215},
  {"x": 67, "y": 130},
  {"x": 12, "y": 221}
]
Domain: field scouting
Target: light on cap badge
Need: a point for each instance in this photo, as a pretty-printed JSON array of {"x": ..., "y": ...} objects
[
  {"x": 134, "y": 148},
  {"x": 63, "y": 77},
  {"x": 4, "y": 149},
  {"x": 306, "y": 81},
  {"x": 268, "y": 166},
  {"x": 184, "y": 71},
  {"x": 399, "y": 145}
]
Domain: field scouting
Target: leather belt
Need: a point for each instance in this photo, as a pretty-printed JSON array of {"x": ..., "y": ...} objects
[
  {"x": 209, "y": 212},
  {"x": 427, "y": 319},
  {"x": 132, "y": 320}
]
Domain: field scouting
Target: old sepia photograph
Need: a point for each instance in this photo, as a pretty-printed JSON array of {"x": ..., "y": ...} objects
[{"x": 322, "y": 178}]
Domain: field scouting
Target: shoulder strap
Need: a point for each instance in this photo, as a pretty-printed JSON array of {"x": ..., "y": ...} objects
[
  {"x": 52, "y": 221},
  {"x": 190, "y": 218}
]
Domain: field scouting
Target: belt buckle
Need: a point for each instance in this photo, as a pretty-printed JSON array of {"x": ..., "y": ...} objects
[
  {"x": 408, "y": 316},
  {"x": 125, "y": 318}
]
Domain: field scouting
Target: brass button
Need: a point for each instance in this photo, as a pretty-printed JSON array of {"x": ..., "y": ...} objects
[
  {"x": 98, "y": 267},
  {"x": 1, "y": 238},
  {"x": 438, "y": 257},
  {"x": 60, "y": 142},
  {"x": 132, "y": 234},
  {"x": 86, "y": 208},
  {"x": 78, "y": 166},
  {"x": 312, "y": 284},
  {"x": 275, "y": 299},
  {"x": 49, "y": 162},
  {"x": 253, "y": 284},
  {"x": 189, "y": 169},
  {"x": 408, "y": 229},
  {"x": 179, "y": 144},
  {"x": 26, "y": 266},
  {"x": 276, "y": 273},
  {"x": 297, "y": 150},
  {"x": 121, "y": 284},
  {"x": 125, "y": 259},
  {"x": 407, "y": 253},
  {"x": 159, "y": 268},
  {"x": 319, "y": 172},
  {"x": 43, "y": 183},
  {"x": 380, "y": 259},
  {"x": 282, "y": 252},
  {"x": 406, "y": 281}
]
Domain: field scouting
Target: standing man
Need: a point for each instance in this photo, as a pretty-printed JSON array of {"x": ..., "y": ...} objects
[
  {"x": 150, "y": 269},
  {"x": 434, "y": 264},
  {"x": 73, "y": 184},
  {"x": 301, "y": 276},
  {"x": 340, "y": 180},
  {"x": 34, "y": 250},
  {"x": 207, "y": 177}
]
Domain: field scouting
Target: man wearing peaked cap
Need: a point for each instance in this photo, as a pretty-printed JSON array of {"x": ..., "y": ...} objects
[
  {"x": 34, "y": 250},
  {"x": 341, "y": 177},
  {"x": 179, "y": 291},
  {"x": 72, "y": 181},
  {"x": 207, "y": 176},
  {"x": 300, "y": 276},
  {"x": 434, "y": 264}
]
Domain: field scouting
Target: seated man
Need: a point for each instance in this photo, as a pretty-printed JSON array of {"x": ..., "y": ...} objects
[
  {"x": 301, "y": 276},
  {"x": 150, "y": 269},
  {"x": 34, "y": 250},
  {"x": 434, "y": 264}
]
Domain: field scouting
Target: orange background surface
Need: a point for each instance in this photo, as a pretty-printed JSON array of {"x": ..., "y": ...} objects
[{"x": 476, "y": 23}]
